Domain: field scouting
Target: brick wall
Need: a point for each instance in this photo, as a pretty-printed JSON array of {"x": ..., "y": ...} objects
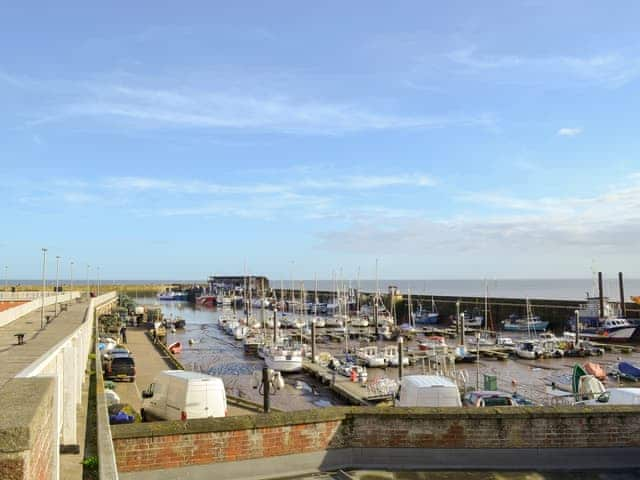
[
  {"x": 27, "y": 429},
  {"x": 197, "y": 442}
]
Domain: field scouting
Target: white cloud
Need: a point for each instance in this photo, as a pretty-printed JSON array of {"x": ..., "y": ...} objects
[
  {"x": 546, "y": 226},
  {"x": 229, "y": 110},
  {"x": 569, "y": 132},
  {"x": 610, "y": 69}
]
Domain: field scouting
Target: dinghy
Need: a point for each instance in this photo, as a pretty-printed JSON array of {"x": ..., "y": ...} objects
[{"x": 175, "y": 347}]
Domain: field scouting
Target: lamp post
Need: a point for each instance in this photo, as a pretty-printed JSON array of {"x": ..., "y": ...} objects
[
  {"x": 44, "y": 286},
  {"x": 57, "y": 282}
]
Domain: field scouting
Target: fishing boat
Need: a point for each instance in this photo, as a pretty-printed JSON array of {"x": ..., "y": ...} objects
[
  {"x": 598, "y": 319},
  {"x": 206, "y": 300},
  {"x": 171, "y": 296},
  {"x": 319, "y": 321},
  {"x": 175, "y": 347},
  {"x": 424, "y": 317},
  {"x": 371, "y": 357},
  {"x": 530, "y": 324},
  {"x": 283, "y": 358}
]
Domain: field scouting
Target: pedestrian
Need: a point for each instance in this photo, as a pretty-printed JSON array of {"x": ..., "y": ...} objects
[{"x": 123, "y": 333}]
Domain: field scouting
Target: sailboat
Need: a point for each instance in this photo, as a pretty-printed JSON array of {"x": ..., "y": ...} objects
[{"x": 425, "y": 317}]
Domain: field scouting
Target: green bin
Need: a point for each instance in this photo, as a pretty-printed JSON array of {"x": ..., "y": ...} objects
[{"x": 490, "y": 382}]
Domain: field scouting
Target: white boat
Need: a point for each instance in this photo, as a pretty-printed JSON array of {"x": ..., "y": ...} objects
[
  {"x": 386, "y": 332},
  {"x": 529, "y": 349},
  {"x": 391, "y": 355},
  {"x": 334, "y": 321},
  {"x": 483, "y": 340},
  {"x": 361, "y": 322},
  {"x": 371, "y": 357},
  {"x": 505, "y": 342},
  {"x": 319, "y": 321},
  {"x": 240, "y": 332},
  {"x": 284, "y": 359}
]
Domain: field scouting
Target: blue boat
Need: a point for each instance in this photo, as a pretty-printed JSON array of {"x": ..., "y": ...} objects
[
  {"x": 629, "y": 371},
  {"x": 532, "y": 324}
]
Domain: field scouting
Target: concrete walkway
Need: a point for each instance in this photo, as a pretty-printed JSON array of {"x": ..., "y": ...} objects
[
  {"x": 149, "y": 362},
  {"x": 15, "y": 358}
]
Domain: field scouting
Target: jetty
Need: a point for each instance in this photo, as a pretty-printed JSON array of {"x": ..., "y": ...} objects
[{"x": 354, "y": 392}]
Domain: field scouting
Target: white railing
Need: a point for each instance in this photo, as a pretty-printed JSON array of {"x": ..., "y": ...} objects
[
  {"x": 14, "y": 313},
  {"x": 66, "y": 362},
  {"x": 18, "y": 296}
]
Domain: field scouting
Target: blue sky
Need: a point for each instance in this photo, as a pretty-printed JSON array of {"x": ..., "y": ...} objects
[{"x": 450, "y": 140}]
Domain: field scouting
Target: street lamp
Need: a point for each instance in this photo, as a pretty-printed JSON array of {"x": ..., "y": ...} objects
[
  {"x": 44, "y": 285},
  {"x": 57, "y": 282}
]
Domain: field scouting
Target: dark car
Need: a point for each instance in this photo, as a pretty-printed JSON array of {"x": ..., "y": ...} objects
[
  {"x": 121, "y": 368},
  {"x": 488, "y": 399}
]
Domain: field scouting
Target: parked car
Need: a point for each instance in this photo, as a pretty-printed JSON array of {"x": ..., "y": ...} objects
[
  {"x": 113, "y": 353},
  {"x": 488, "y": 398},
  {"x": 180, "y": 395},
  {"x": 121, "y": 368}
]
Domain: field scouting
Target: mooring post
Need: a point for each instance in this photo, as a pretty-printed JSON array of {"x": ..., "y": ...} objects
[
  {"x": 623, "y": 307},
  {"x": 400, "y": 353},
  {"x": 275, "y": 326},
  {"x": 313, "y": 341},
  {"x": 265, "y": 386}
]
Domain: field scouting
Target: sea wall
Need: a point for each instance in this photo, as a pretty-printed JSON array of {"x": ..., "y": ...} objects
[{"x": 339, "y": 437}]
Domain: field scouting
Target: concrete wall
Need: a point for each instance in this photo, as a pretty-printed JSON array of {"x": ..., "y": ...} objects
[
  {"x": 27, "y": 443},
  {"x": 14, "y": 313},
  {"x": 323, "y": 434},
  {"x": 65, "y": 364}
]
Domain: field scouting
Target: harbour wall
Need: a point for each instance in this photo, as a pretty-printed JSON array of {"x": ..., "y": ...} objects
[
  {"x": 557, "y": 312},
  {"x": 288, "y": 443}
]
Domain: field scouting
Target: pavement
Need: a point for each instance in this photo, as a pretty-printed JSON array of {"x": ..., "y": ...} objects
[{"x": 14, "y": 358}]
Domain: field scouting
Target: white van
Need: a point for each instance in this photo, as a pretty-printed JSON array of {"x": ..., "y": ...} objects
[
  {"x": 180, "y": 395},
  {"x": 427, "y": 391}
]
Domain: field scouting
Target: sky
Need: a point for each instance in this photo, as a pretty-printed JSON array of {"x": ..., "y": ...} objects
[{"x": 173, "y": 140}]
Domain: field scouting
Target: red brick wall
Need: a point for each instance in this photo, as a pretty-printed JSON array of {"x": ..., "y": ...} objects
[
  {"x": 169, "y": 451},
  {"x": 367, "y": 428}
]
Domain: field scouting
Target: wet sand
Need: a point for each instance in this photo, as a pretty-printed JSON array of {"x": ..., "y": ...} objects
[{"x": 221, "y": 355}]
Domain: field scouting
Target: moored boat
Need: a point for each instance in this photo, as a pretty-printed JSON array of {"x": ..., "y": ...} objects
[{"x": 175, "y": 347}]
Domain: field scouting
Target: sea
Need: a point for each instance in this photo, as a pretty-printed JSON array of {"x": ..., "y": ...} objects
[{"x": 564, "y": 289}]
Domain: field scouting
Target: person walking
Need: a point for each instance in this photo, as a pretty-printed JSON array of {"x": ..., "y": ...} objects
[{"x": 123, "y": 333}]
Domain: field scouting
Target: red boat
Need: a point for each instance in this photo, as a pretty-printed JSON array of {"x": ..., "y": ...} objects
[
  {"x": 175, "y": 348},
  {"x": 206, "y": 300}
]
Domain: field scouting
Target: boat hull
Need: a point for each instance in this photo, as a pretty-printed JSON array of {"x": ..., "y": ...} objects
[{"x": 281, "y": 364}]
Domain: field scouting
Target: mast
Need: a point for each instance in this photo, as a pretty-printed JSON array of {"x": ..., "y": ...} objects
[
  {"x": 486, "y": 305},
  {"x": 410, "y": 309},
  {"x": 315, "y": 301}
]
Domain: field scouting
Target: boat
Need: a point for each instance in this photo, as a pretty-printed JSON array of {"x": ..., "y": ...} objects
[
  {"x": 605, "y": 325},
  {"x": 361, "y": 322},
  {"x": 472, "y": 320},
  {"x": 175, "y": 347},
  {"x": 529, "y": 349},
  {"x": 505, "y": 342},
  {"x": 179, "y": 323},
  {"x": 596, "y": 370},
  {"x": 334, "y": 321},
  {"x": 434, "y": 344},
  {"x": 283, "y": 359},
  {"x": 319, "y": 321},
  {"x": 578, "y": 372},
  {"x": 551, "y": 345},
  {"x": 240, "y": 332},
  {"x": 531, "y": 324},
  {"x": 390, "y": 354},
  {"x": 461, "y": 355},
  {"x": 386, "y": 332},
  {"x": 371, "y": 357},
  {"x": 427, "y": 318},
  {"x": 206, "y": 300},
  {"x": 481, "y": 340},
  {"x": 171, "y": 296},
  {"x": 628, "y": 371}
]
